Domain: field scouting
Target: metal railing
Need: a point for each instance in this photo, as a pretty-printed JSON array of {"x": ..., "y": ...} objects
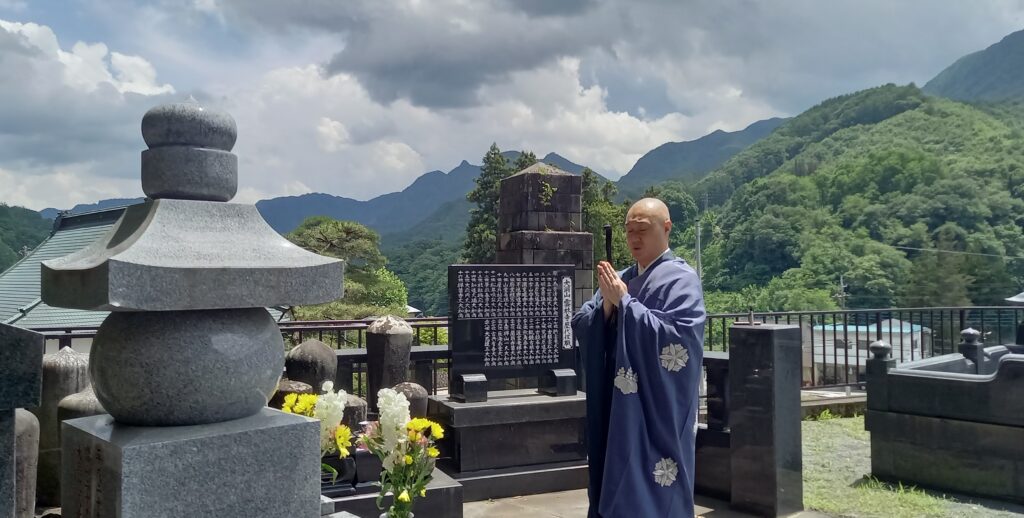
[{"x": 835, "y": 343}]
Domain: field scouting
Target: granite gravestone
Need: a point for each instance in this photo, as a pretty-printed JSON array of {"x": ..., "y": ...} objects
[
  {"x": 965, "y": 412},
  {"x": 21, "y": 361},
  {"x": 188, "y": 357},
  {"x": 511, "y": 321}
]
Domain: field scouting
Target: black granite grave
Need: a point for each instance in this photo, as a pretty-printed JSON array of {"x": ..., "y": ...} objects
[
  {"x": 512, "y": 322},
  {"x": 953, "y": 422}
]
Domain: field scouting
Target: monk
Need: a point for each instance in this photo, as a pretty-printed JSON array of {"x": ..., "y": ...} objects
[{"x": 642, "y": 342}]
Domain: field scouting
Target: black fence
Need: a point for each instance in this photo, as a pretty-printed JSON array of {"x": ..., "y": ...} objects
[{"x": 835, "y": 343}]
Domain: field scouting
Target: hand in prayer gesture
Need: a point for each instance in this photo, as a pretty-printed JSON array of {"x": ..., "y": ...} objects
[{"x": 612, "y": 287}]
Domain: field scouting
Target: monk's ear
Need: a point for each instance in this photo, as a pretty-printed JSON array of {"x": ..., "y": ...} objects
[{"x": 668, "y": 226}]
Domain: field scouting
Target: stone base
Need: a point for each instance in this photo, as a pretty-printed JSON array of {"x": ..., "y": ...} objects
[
  {"x": 712, "y": 464},
  {"x": 266, "y": 465},
  {"x": 512, "y": 429},
  {"x": 520, "y": 481},
  {"x": 444, "y": 499},
  {"x": 964, "y": 457}
]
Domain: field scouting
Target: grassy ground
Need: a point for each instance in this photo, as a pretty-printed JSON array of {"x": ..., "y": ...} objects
[{"x": 837, "y": 467}]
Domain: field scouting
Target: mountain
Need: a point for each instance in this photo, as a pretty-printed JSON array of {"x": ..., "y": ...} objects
[
  {"x": 865, "y": 190},
  {"x": 993, "y": 74},
  {"x": 386, "y": 213},
  {"x": 19, "y": 228},
  {"x": 391, "y": 213},
  {"x": 51, "y": 213},
  {"x": 690, "y": 161}
]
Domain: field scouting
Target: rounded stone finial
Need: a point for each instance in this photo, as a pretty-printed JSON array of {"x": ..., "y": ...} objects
[
  {"x": 970, "y": 336},
  {"x": 189, "y": 155},
  {"x": 389, "y": 325},
  {"x": 188, "y": 124},
  {"x": 880, "y": 349}
]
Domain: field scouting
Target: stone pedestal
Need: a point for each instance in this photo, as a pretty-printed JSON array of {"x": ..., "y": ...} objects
[
  {"x": 21, "y": 358},
  {"x": 517, "y": 442},
  {"x": 764, "y": 417},
  {"x": 388, "y": 346},
  {"x": 26, "y": 456},
  {"x": 245, "y": 468},
  {"x": 65, "y": 372}
]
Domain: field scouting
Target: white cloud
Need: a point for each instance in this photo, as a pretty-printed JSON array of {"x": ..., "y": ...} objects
[
  {"x": 70, "y": 118},
  {"x": 331, "y": 135},
  {"x": 62, "y": 186}
]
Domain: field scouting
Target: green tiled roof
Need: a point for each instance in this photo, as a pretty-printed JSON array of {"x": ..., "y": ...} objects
[{"x": 19, "y": 285}]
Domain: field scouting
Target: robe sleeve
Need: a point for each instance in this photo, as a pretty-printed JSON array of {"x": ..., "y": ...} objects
[
  {"x": 680, "y": 317},
  {"x": 588, "y": 322}
]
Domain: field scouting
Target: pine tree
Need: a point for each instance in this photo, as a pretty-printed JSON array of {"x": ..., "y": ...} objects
[
  {"x": 481, "y": 231},
  {"x": 523, "y": 161}
]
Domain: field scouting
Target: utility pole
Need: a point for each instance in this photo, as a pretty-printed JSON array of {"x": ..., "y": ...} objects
[
  {"x": 700, "y": 269},
  {"x": 699, "y": 272},
  {"x": 841, "y": 293}
]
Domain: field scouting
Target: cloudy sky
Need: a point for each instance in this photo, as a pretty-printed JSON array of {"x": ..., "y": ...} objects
[{"x": 358, "y": 98}]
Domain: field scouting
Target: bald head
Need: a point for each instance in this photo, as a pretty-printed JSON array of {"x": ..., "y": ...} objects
[{"x": 647, "y": 229}]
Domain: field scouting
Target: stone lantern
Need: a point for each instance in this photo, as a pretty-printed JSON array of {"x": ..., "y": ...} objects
[{"x": 189, "y": 356}]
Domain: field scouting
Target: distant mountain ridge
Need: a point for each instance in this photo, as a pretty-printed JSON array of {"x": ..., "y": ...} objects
[
  {"x": 690, "y": 161},
  {"x": 993, "y": 74},
  {"x": 51, "y": 213},
  {"x": 392, "y": 212}
]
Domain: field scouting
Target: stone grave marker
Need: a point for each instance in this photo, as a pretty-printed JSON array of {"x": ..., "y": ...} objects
[
  {"x": 511, "y": 321},
  {"x": 21, "y": 366}
]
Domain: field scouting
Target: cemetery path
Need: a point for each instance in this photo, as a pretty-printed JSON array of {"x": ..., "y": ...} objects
[{"x": 837, "y": 465}]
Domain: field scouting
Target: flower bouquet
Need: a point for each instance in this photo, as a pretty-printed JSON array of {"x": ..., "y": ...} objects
[
  {"x": 406, "y": 448},
  {"x": 328, "y": 408}
]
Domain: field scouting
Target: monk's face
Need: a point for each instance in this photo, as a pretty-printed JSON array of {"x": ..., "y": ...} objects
[{"x": 647, "y": 230}]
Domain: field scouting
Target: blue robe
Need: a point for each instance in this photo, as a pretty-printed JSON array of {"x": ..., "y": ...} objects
[{"x": 642, "y": 372}]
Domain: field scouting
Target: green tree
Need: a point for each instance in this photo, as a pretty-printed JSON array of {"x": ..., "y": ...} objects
[
  {"x": 481, "y": 231},
  {"x": 20, "y": 228},
  {"x": 370, "y": 289},
  {"x": 524, "y": 160},
  {"x": 937, "y": 277}
]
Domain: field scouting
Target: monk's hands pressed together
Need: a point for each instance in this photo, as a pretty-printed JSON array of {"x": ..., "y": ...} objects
[{"x": 612, "y": 287}]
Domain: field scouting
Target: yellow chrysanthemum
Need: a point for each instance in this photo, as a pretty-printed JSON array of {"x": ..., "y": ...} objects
[
  {"x": 408, "y": 459},
  {"x": 289, "y": 402},
  {"x": 423, "y": 492},
  {"x": 413, "y": 436},
  {"x": 305, "y": 404},
  {"x": 404, "y": 497},
  {"x": 419, "y": 424},
  {"x": 432, "y": 451},
  {"x": 436, "y": 431},
  {"x": 343, "y": 438}
]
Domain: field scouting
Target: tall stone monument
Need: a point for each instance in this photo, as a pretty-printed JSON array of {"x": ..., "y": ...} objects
[
  {"x": 540, "y": 221},
  {"x": 21, "y": 361},
  {"x": 189, "y": 356}
]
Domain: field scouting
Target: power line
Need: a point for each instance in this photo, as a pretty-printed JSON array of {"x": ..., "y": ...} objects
[{"x": 939, "y": 250}]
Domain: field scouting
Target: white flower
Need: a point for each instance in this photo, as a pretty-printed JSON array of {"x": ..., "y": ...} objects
[
  {"x": 674, "y": 357},
  {"x": 329, "y": 409},
  {"x": 665, "y": 472},
  {"x": 394, "y": 416},
  {"x": 626, "y": 381}
]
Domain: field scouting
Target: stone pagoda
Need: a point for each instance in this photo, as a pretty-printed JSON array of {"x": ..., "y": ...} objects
[{"x": 189, "y": 356}]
